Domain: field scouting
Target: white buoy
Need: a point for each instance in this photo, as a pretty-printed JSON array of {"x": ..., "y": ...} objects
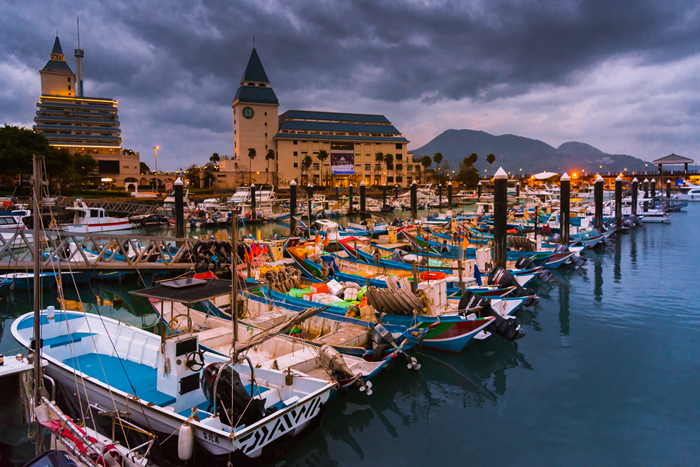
[{"x": 185, "y": 443}]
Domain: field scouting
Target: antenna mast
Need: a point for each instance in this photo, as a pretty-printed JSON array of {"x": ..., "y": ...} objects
[{"x": 79, "y": 54}]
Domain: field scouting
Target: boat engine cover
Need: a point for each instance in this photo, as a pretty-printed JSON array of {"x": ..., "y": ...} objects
[
  {"x": 503, "y": 327},
  {"x": 333, "y": 361},
  {"x": 524, "y": 262}
]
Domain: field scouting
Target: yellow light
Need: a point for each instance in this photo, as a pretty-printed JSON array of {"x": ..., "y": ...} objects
[
  {"x": 83, "y": 146},
  {"x": 80, "y": 99},
  {"x": 601, "y": 166}
]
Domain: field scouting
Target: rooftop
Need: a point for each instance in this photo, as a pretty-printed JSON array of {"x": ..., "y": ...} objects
[
  {"x": 673, "y": 159},
  {"x": 307, "y": 125},
  {"x": 256, "y": 95},
  {"x": 333, "y": 116},
  {"x": 254, "y": 71}
]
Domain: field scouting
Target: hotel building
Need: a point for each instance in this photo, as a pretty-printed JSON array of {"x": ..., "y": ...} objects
[
  {"x": 85, "y": 125},
  {"x": 351, "y": 142}
]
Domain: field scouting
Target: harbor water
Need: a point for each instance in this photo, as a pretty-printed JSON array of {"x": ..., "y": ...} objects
[{"x": 607, "y": 374}]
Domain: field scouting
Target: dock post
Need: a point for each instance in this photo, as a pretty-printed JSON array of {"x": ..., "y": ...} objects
[
  {"x": 36, "y": 256},
  {"x": 478, "y": 189},
  {"x": 350, "y": 200},
  {"x": 635, "y": 191},
  {"x": 414, "y": 200},
  {"x": 363, "y": 200},
  {"x": 646, "y": 194},
  {"x": 309, "y": 200},
  {"x": 565, "y": 208},
  {"x": 439, "y": 195},
  {"x": 449, "y": 195},
  {"x": 618, "y": 202},
  {"x": 598, "y": 196},
  {"x": 668, "y": 189},
  {"x": 252, "y": 202},
  {"x": 384, "y": 196},
  {"x": 517, "y": 190},
  {"x": 396, "y": 192},
  {"x": 653, "y": 193},
  {"x": 179, "y": 209},
  {"x": 292, "y": 207},
  {"x": 337, "y": 192},
  {"x": 500, "y": 214}
]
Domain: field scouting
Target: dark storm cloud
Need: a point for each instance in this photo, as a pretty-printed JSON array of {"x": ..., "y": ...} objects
[{"x": 182, "y": 60}]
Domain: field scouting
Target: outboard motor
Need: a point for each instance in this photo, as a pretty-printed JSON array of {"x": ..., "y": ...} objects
[
  {"x": 501, "y": 326},
  {"x": 383, "y": 341},
  {"x": 333, "y": 361},
  {"x": 524, "y": 262},
  {"x": 555, "y": 238},
  {"x": 500, "y": 277},
  {"x": 230, "y": 388}
]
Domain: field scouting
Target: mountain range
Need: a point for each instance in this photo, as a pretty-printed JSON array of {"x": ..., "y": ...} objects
[{"x": 514, "y": 153}]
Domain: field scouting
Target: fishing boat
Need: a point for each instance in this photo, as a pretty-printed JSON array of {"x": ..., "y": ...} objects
[
  {"x": 163, "y": 382},
  {"x": 94, "y": 219},
  {"x": 25, "y": 280}
]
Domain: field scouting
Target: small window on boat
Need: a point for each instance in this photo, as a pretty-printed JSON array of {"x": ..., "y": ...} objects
[
  {"x": 93, "y": 213},
  {"x": 185, "y": 347}
]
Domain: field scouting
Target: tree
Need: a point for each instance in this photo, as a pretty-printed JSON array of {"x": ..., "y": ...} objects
[
  {"x": 192, "y": 175},
  {"x": 143, "y": 168},
  {"x": 490, "y": 159},
  {"x": 473, "y": 158},
  {"x": 468, "y": 175},
  {"x": 379, "y": 158},
  {"x": 270, "y": 156},
  {"x": 17, "y": 145},
  {"x": 129, "y": 152},
  {"x": 305, "y": 164},
  {"x": 437, "y": 158},
  {"x": 84, "y": 167},
  {"x": 215, "y": 158},
  {"x": 425, "y": 162},
  {"x": 389, "y": 160},
  {"x": 209, "y": 178},
  {"x": 322, "y": 156},
  {"x": 251, "y": 155}
]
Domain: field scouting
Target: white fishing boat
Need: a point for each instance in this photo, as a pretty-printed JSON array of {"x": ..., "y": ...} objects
[
  {"x": 171, "y": 386},
  {"x": 691, "y": 193},
  {"x": 94, "y": 219}
]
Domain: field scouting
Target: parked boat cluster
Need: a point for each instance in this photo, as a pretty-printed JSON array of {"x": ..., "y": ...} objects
[{"x": 257, "y": 336}]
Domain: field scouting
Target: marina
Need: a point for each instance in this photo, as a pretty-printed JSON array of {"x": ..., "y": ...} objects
[
  {"x": 489, "y": 377},
  {"x": 239, "y": 266}
]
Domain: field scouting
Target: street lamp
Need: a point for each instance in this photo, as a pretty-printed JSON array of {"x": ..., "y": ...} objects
[{"x": 156, "y": 151}]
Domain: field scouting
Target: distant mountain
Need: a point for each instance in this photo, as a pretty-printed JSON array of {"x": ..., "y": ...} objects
[{"x": 532, "y": 156}]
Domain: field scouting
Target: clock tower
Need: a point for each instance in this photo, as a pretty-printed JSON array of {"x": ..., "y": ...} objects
[{"x": 255, "y": 109}]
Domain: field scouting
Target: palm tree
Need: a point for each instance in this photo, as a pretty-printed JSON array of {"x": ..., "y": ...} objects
[
  {"x": 389, "y": 159},
  {"x": 425, "y": 162},
  {"x": 270, "y": 156},
  {"x": 322, "y": 156},
  {"x": 215, "y": 158},
  {"x": 437, "y": 157},
  {"x": 251, "y": 154},
  {"x": 379, "y": 158},
  {"x": 490, "y": 158},
  {"x": 306, "y": 163}
]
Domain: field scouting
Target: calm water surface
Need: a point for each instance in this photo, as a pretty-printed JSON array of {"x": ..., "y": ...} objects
[{"x": 607, "y": 374}]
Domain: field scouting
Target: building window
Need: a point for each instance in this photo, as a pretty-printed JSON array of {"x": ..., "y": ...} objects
[
  {"x": 296, "y": 165},
  {"x": 378, "y": 167},
  {"x": 390, "y": 179},
  {"x": 399, "y": 166},
  {"x": 69, "y": 87},
  {"x": 368, "y": 167},
  {"x": 69, "y": 79},
  {"x": 265, "y": 135},
  {"x": 399, "y": 157},
  {"x": 295, "y": 141},
  {"x": 234, "y": 111},
  {"x": 234, "y": 121},
  {"x": 265, "y": 123},
  {"x": 399, "y": 179},
  {"x": 266, "y": 116},
  {"x": 316, "y": 166},
  {"x": 399, "y": 146},
  {"x": 296, "y": 154}
]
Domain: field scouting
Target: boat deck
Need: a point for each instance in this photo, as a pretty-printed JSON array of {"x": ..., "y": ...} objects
[{"x": 131, "y": 377}]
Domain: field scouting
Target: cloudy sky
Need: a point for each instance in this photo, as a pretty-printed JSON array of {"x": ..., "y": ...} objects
[{"x": 623, "y": 76}]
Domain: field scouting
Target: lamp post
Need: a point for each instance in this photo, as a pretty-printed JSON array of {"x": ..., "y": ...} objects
[{"x": 156, "y": 151}]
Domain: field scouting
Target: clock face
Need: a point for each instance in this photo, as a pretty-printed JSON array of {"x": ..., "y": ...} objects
[{"x": 248, "y": 112}]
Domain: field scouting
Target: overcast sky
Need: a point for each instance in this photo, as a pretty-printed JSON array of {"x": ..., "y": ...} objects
[{"x": 620, "y": 75}]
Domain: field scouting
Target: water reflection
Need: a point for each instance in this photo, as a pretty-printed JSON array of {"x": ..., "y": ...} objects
[
  {"x": 564, "y": 310},
  {"x": 617, "y": 267},
  {"x": 598, "y": 280}
]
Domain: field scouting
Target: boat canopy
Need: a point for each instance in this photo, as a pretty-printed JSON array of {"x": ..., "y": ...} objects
[{"x": 196, "y": 291}]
